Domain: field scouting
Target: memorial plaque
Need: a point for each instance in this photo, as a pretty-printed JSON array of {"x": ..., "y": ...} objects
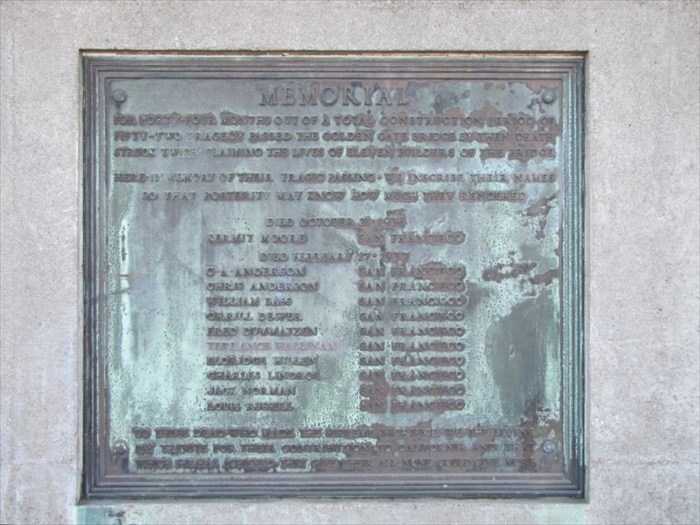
[{"x": 333, "y": 275}]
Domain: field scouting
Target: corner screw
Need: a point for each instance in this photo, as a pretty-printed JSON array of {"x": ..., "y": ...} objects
[
  {"x": 548, "y": 96},
  {"x": 548, "y": 447},
  {"x": 119, "y": 96},
  {"x": 119, "y": 449}
]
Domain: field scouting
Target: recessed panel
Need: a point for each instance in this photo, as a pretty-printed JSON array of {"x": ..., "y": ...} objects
[{"x": 333, "y": 275}]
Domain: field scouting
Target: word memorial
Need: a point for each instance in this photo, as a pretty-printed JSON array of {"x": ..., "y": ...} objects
[{"x": 333, "y": 275}]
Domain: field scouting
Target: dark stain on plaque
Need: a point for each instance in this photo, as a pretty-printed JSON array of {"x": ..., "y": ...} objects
[
  {"x": 521, "y": 134},
  {"x": 545, "y": 277},
  {"x": 447, "y": 99},
  {"x": 541, "y": 209},
  {"x": 508, "y": 270},
  {"x": 515, "y": 349},
  {"x": 437, "y": 272}
]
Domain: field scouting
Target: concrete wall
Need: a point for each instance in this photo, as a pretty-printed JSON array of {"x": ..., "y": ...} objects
[{"x": 642, "y": 228}]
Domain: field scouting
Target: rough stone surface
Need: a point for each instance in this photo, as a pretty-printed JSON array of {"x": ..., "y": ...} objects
[{"x": 641, "y": 163}]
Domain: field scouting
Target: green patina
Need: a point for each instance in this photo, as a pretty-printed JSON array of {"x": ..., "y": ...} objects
[{"x": 464, "y": 177}]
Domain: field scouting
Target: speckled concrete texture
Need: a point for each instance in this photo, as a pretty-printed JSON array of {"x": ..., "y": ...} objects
[{"x": 642, "y": 218}]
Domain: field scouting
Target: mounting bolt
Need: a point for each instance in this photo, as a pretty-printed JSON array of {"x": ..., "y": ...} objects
[
  {"x": 548, "y": 96},
  {"x": 119, "y": 449},
  {"x": 119, "y": 96},
  {"x": 548, "y": 447}
]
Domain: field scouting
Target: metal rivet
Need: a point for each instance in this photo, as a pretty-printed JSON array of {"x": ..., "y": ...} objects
[
  {"x": 548, "y": 96},
  {"x": 119, "y": 449},
  {"x": 119, "y": 96},
  {"x": 548, "y": 447}
]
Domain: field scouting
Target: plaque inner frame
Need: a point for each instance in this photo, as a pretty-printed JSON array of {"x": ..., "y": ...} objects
[{"x": 108, "y": 472}]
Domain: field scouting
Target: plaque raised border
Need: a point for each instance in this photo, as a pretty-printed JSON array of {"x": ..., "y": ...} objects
[{"x": 105, "y": 474}]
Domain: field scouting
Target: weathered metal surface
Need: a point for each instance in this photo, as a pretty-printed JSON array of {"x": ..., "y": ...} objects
[{"x": 333, "y": 275}]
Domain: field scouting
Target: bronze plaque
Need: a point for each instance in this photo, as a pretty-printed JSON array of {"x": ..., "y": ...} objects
[{"x": 333, "y": 275}]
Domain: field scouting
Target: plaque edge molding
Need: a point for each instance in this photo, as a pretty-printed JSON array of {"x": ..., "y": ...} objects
[{"x": 95, "y": 485}]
